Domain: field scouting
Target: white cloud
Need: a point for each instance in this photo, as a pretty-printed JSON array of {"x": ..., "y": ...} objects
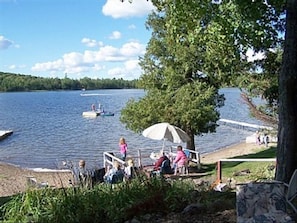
[
  {"x": 91, "y": 42},
  {"x": 132, "y": 49},
  {"x": 76, "y": 62},
  {"x": 118, "y": 9},
  {"x": 130, "y": 70},
  {"x": 14, "y": 66},
  {"x": 115, "y": 35},
  {"x": 5, "y": 43},
  {"x": 132, "y": 26}
]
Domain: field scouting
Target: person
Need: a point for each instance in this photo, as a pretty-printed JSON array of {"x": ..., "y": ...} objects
[
  {"x": 258, "y": 140},
  {"x": 180, "y": 160},
  {"x": 114, "y": 174},
  {"x": 93, "y": 107},
  {"x": 266, "y": 139},
  {"x": 129, "y": 170},
  {"x": 81, "y": 174},
  {"x": 162, "y": 165},
  {"x": 158, "y": 163},
  {"x": 123, "y": 148}
]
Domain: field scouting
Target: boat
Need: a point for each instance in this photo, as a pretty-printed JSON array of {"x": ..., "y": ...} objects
[
  {"x": 90, "y": 114},
  {"x": 5, "y": 133},
  {"x": 106, "y": 113},
  {"x": 97, "y": 112},
  {"x": 101, "y": 111}
]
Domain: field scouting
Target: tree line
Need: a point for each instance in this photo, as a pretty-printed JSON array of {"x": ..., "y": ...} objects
[{"x": 10, "y": 82}]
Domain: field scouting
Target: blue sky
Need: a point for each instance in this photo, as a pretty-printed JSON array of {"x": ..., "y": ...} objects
[{"x": 80, "y": 38}]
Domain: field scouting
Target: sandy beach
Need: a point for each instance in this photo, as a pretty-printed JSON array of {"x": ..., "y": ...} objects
[{"x": 14, "y": 180}]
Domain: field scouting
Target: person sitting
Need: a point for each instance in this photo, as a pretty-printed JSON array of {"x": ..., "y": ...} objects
[
  {"x": 180, "y": 161},
  {"x": 162, "y": 165},
  {"x": 129, "y": 170},
  {"x": 81, "y": 174},
  {"x": 115, "y": 174}
]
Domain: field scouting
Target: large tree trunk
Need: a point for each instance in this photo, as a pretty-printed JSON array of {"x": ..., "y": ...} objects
[{"x": 287, "y": 129}]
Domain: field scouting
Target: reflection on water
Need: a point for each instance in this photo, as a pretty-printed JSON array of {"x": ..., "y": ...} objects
[{"x": 49, "y": 127}]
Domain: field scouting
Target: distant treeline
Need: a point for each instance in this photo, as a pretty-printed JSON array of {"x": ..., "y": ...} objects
[{"x": 10, "y": 82}]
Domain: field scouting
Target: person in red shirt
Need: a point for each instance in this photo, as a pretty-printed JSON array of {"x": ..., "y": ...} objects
[{"x": 159, "y": 162}]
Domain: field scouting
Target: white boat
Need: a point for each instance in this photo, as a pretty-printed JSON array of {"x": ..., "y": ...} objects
[
  {"x": 96, "y": 112},
  {"x": 5, "y": 133},
  {"x": 91, "y": 114}
]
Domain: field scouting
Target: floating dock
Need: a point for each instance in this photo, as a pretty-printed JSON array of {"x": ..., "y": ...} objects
[
  {"x": 90, "y": 114},
  {"x": 5, "y": 133}
]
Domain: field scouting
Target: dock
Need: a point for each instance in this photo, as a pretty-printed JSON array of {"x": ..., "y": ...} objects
[
  {"x": 5, "y": 133},
  {"x": 243, "y": 125}
]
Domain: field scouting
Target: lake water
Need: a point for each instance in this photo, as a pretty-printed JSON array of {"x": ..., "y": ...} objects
[{"x": 49, "y": 127}]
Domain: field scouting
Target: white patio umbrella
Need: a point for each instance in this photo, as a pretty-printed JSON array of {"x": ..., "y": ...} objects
[{"x": 164, "y": 131}]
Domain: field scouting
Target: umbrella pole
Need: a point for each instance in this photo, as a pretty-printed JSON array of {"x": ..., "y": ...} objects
[{"x": 163, "y": 147}]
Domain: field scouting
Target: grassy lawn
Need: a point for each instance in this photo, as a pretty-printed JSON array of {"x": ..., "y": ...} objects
[{"x": 246, "y": 171}]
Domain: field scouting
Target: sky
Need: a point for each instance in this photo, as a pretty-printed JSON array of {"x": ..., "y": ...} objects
[{"x": 77, "y": 38}]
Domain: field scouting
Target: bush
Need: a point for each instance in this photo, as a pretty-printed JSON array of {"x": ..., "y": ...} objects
[{"x": 103, "y": 203}]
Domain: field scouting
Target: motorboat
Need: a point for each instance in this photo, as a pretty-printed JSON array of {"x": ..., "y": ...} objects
[
  {"x": 103, "y": 113},
  {"x": 5, "y": 133}
]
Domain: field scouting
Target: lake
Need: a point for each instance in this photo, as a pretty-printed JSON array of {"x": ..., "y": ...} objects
[{"x": 49, "y": 127}]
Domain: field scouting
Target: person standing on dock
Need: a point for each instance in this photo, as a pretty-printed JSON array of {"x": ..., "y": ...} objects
[
  {"x": 93, "y": 107},
  {"x": 123, "y": 148}
]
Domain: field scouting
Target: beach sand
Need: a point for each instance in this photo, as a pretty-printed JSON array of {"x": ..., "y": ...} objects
[
  {"x": 14, "y": 180},
  {"x": 231, "y": 151}
]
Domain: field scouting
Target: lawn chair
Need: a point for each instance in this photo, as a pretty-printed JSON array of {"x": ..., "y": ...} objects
[{"x": 292, "y": 191}]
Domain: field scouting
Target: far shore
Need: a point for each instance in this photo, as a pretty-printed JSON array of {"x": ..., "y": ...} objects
[{"x": 14, "y": 179}]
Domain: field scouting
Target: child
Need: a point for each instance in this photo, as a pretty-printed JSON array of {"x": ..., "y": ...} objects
[{"x": 123, "y": 148}]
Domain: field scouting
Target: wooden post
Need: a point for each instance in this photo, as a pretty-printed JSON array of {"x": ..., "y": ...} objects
[{"x": 219, "y": 171}]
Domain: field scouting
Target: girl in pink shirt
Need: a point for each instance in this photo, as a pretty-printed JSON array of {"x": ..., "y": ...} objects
[
  {"x": 123, "y": 148},
  {"x": 181, "y": 158}
]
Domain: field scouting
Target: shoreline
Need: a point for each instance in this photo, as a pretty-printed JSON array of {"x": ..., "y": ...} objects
[
  {"x": 14, "y": 179},
  {"x": 239, "y": 149}
]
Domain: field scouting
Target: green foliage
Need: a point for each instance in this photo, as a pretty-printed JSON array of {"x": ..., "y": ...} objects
[
  {"x": 197, "y": 47},
  {"x": 104, "y": 203},
  {"x": 190, "y": 55},
  {"x": 18, "y": 82}
]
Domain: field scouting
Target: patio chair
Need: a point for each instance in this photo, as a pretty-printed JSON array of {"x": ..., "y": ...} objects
[{"x": 292, "y": 191}]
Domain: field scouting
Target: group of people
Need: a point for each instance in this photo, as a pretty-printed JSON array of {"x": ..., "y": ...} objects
[
  {"x": 116, "y": 173},
  {"x": 163, "y": 162},
  {"x": 262, "y": 138}
]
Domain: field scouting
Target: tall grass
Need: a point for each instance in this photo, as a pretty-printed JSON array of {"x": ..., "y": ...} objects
[{"x": 103, "y": 203}]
